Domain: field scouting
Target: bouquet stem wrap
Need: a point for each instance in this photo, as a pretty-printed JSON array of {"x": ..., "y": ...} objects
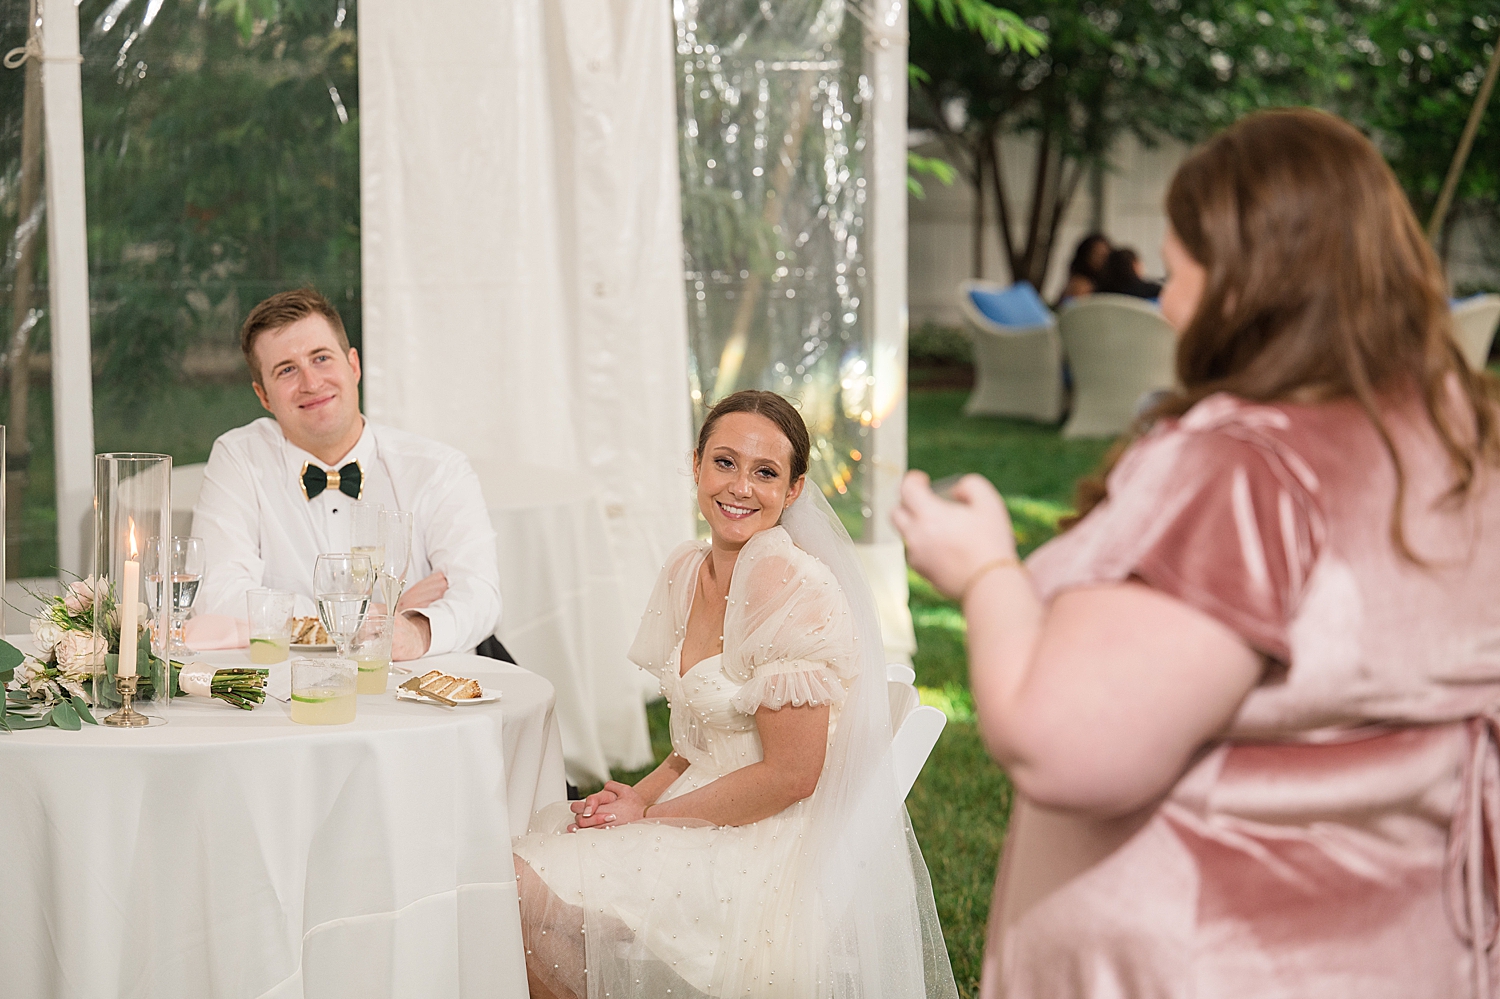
[{"x": 242, "y": 686}]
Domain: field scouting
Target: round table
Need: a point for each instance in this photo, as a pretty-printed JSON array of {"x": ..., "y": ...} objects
[{"x": 236, "y": 853}]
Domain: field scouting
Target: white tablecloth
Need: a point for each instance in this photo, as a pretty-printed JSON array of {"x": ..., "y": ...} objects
[
  {"x": 237, "y": 854},
  {"x": 566, "y": 614}
]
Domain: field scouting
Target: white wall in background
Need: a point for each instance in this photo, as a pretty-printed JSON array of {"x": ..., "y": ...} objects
[{"x": 941, "y": 225}]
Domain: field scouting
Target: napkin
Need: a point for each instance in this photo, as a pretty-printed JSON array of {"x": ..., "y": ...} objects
[{"x": 216, "y": 631}]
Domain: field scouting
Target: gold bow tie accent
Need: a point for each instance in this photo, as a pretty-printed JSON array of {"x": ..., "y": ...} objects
[{"x": 348, "y": 479}]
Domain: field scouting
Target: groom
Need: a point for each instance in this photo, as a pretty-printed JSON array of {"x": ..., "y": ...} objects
[{"x": 278, "y": 492}]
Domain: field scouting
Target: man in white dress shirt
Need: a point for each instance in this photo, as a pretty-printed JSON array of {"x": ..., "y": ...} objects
[{"x": 279, "y": 492}]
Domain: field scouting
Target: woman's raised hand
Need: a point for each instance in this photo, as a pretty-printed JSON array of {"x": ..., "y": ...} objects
[
  {"x": 615, "y": 805},
  {"x": 951, "y": 540}
]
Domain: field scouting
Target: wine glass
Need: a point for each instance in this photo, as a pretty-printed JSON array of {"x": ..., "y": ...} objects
[
  {"x": 367, "y": 533},
  {"x": 397, "y": 526},
  {"x": 187, "y": 574},
  {"x": 341, "y": 586}
]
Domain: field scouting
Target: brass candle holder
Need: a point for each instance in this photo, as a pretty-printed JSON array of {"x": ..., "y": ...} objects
[{"x": 127, "y": 716}]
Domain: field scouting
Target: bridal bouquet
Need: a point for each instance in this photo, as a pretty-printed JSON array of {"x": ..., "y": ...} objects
[{"x": 51, "y": 687}]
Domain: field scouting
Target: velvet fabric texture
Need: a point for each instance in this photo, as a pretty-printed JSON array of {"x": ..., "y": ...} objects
[{"x": 1340, "y": 840}]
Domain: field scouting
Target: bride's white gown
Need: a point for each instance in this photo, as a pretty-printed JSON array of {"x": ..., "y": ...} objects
[{"x": 699, "y": 909}]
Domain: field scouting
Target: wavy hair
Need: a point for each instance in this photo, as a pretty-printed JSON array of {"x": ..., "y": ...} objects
[{"x": 1319, "y": 285}]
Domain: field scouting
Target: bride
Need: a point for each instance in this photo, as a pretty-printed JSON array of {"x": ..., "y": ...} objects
[{"x": 769, "y": 854}]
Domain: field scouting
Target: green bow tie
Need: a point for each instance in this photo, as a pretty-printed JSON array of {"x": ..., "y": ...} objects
[{"x": 348, "y": 480}]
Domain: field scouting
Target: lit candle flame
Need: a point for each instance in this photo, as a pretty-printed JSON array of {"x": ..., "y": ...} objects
[{"x": 134, "y": 552}]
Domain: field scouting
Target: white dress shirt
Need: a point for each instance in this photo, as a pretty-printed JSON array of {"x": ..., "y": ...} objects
[{"x": 259, "y": 530}]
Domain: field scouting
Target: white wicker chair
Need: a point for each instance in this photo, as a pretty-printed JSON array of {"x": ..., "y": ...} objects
[
  {"x": 915, "y": 727},
  {"x": 1119, "y": 349},
  {"x": 1017, "y": 369},
  {"x": 1474, "y": 321}
]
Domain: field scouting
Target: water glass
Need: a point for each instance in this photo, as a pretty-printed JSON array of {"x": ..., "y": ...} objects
[
  {"x": 187, "y": 573},
  {"x": 323, "y": 691},
  {"x": 270, "y": 614},
  {"x": 341, "y": 586},
  {"x": 371, "y": 651}
]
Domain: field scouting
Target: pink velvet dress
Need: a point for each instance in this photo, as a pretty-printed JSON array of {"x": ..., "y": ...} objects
[{"x": 1341, "y": 840}]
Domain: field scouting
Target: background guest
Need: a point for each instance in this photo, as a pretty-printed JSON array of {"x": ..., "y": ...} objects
[
  {"x": 1248, "y": 701},
  {"x": 1084, "y": 271},
  {"x": 1123, "y": 274}
]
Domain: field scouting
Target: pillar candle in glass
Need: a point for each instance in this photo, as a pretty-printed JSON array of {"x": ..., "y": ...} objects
[{"x": 132, "y": 516}]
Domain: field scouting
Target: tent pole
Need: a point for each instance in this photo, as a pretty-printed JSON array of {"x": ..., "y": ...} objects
[
  {"x": 1465, "y": 144},
  {"x": 67, "y": 253},
  {"x": 885, "y": 23}
]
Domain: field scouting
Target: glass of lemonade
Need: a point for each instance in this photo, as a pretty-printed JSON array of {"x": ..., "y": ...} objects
[
  {"x": 270, "y": 625},
  {"x": 371, "y": 651},
  {"x": 323, "y": 691}
]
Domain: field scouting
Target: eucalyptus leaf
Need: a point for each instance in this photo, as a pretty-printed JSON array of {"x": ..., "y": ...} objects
[
  {"x": 81, "y": 706},
  {"x": 10, "y": 658},
  {"x": 16, "y": 723},
  {"x": 64, "y": 717}
]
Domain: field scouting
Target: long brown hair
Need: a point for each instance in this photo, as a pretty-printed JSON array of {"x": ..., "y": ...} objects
[{"x": 1319, "y": 285}]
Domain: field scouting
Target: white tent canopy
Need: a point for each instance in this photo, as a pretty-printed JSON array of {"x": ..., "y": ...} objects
[{"x": 522, "y": 271}]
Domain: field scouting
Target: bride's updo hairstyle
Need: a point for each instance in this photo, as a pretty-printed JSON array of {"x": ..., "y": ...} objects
[
  {"x": 774, "y": 408},
  {"x": 1319, "y": 285}
]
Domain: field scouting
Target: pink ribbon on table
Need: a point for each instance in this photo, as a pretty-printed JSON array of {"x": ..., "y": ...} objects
[{"x": 207, "y": 632}]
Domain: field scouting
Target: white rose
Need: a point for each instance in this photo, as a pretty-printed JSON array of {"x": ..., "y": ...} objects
[
  {"x": 29, "y": 668},
  {"x": 81, "y": 652},
  {"x": 45, "y": 634}
]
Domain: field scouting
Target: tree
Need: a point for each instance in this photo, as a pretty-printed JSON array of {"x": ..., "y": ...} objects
[
  {"x": 1419, "y": 68},
  {"x": 1148, "y": 68},
  {"x": 221, "y": 162}
]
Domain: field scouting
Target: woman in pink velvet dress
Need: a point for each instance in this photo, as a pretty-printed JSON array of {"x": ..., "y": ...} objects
[{"x": 1251, "y": 701}]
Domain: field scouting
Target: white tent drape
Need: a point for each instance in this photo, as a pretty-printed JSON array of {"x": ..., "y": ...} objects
[{"x": 522, "y": 270}]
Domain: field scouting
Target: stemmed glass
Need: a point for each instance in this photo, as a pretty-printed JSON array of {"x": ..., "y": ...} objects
[
  {"x": 367, "y": 533},
  {"x": 185, "y": 573},
  {"x": 396, "y": 528},
  {"x": 341, "y": 586}
]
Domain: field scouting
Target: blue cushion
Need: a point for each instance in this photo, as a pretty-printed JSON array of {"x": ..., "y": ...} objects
[{"x": 1018, "y": 305}]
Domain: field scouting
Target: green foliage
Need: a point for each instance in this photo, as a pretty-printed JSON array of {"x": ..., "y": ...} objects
[
  {"x": 1136, "y": 67},
  {"x": 221, "y": 162},
  {"x": 997, "y": 27},
  {"x": 1414, "y": 71},
  {"x": 941, "y": 169},
  {"x": 934, "y": 344}
]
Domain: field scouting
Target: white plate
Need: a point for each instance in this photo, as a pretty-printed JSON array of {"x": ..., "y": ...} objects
[
  {"x": 484, "y": 698},
  {"x": 314, "y": 648}
]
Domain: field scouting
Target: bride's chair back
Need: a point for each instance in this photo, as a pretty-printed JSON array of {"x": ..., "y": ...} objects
[{"x": 915, "y": 727}]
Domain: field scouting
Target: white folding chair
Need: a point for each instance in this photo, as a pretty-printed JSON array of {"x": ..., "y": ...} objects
[
  {"x": 1017, "y": 369},
  {"x": 1119, "y": 349},
  {"x": 915, "y": 727},
  {"x": 1474, "y": 321}
]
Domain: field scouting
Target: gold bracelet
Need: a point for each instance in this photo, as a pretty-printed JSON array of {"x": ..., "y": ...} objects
[{"x": 1003, "y": 562}]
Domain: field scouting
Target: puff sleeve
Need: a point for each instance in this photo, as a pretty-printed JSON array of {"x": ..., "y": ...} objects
[
  {"x": 788, "y": 633},
  {"x": 666, "y": 612},
  {"x": 1216, "y": 511}
]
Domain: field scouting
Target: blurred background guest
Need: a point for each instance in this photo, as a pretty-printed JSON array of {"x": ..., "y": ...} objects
[
  {"x": 1088, "y": 263},
  {"x": 1249, "y": 701},
  {"x": 1123, "y": 274}
]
